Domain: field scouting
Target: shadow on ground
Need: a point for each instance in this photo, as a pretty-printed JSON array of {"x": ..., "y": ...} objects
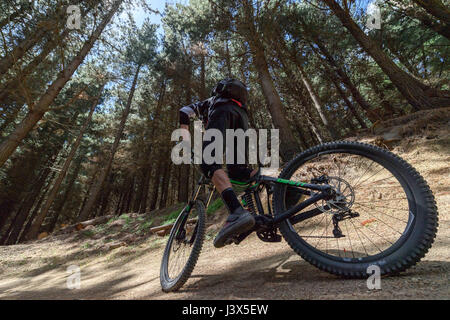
[{"x": 279, "y": 275}]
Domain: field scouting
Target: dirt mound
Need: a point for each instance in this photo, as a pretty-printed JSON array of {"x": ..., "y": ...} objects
[{"x": 428, "y": 124}]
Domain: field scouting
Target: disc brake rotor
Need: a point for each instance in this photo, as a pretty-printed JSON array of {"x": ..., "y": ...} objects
[{"x": 342, "y": 201}]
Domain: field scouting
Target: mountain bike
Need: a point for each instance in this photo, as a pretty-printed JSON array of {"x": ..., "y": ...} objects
[{"x": 342, "y": 206}]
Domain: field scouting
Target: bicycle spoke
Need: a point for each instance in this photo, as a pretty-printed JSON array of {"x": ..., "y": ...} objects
[
  {"x": 357, "y": 233},
  {"x": 368, "y": 228},
  {"x": 357, "y": 179},
  {"x": 395, "y": 199},
  {"x": 349, "y": 240},
  {"x": 357, "y": 185},
  {"x": 384, "y": 213}
]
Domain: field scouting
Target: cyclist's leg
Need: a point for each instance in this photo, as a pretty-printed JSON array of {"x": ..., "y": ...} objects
[
  {"x": 240, "y": 171},
  {"x": 219, "y": 119},
  {"x": 239, "y": 220}
]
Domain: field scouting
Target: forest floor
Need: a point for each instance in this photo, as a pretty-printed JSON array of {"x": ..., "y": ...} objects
[{"x": 120, "y": 260}]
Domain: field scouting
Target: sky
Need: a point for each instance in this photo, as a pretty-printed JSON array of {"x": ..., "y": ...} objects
[{"x": 140, "y": 15}]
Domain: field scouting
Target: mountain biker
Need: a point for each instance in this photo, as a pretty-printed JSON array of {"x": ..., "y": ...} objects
[{"x": 225, "y": 109}]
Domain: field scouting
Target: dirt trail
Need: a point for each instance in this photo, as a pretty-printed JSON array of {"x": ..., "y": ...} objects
[{"x": 252, "y": 270}]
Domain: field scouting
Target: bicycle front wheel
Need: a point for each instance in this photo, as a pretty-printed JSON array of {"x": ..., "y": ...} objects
[
  {"x": 183, "y": 247},
  {"x": 383, "y": 212}
]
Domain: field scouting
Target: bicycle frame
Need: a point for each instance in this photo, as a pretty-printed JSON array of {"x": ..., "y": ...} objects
[{"x": 325, "y": 192}]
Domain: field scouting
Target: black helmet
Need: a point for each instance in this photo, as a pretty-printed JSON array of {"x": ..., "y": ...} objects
[{"x": 231, "y": 88}]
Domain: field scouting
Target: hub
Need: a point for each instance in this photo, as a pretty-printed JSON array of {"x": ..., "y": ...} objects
[{"x": 341, "y": 201}]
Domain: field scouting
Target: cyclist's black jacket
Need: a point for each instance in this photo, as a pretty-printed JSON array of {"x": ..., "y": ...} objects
[
  {"x": 220, "y": 114},
  {"x": 203, "y": 109}
]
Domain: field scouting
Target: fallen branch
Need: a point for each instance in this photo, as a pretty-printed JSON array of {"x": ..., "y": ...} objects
[
  {"x": 169, "y": 226},
  {"x": 81, "y": 225}
]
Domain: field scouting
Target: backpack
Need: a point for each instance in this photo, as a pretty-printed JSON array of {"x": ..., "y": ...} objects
[{"x": 231, "y": 89}]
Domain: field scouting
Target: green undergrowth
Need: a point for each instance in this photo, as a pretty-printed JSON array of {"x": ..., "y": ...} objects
[{"x": 213, "y": 207}]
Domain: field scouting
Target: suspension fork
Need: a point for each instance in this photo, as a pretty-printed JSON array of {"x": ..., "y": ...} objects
[
  {"x": 189, "y": 206},
  {"x": 202, "y": 181},
  {"x": 194, "y": 234},
  {"x": 210, "y": 197}
]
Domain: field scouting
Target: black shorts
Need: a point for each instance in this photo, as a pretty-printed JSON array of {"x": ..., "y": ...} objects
[{"x": 221, "y": 117}]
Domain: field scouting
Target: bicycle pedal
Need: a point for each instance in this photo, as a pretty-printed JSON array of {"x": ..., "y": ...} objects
[{"x": 230, "y": 241}]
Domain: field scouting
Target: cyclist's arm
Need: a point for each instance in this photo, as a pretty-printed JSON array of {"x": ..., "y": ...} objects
[
  {"x": 196, "y": 109},
  {"x": 190, "y": 111}
]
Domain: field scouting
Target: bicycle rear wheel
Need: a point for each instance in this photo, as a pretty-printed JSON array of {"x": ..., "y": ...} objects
[
  {"x": 384, "y": 210},
  {"x": 183, "y": 247}
]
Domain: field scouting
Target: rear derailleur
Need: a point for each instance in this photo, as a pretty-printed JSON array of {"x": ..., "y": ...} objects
[{"x": 341, "y": 216}]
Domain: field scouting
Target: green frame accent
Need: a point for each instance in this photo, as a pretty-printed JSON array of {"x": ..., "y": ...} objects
[
  {"x": 239, "y": 182},
  {"x": 290, "y": 182}
]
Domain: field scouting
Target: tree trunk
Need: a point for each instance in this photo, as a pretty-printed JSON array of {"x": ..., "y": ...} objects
[
  {"x": 165, "y": 185},
  {"x": 90, "y": 185},
  {"x": 388, "y": 109},
  {"x": 11, "y": 117},
  {"x": 18, "y": 52},
  {"x": 146, "y": 182},
  {"x": 419, "y": 95},
  {"x": 288, "y": 145},
  {"x": 16, "y": 83},
  {"x": 341, "y": 73},
  {"x": 228, "y": 60},
  {"x": 37, "y": 111},
  {"x": 309, "y": 88},
  {"x": 183, "y": 194},
  {"x": 105, "y": 199},
  {"x": 297, "y": 87},
  {"x": 18, "y": 13},
  {"x": 202, "y": 94},
  {"x": 140, "y": 189},
  {"x": 314, "y": 136},
  {"x": 5, "y": 236},
  {"x": 389, "y": 43},
  {"x": 62, "y": 174},
  {"x": 156, "y": 183},
  {"x": 317, "y": 103},
  {"x": 28, "y": 205},
  {"x": 99, "y": 183},
  {"x": 119, "y": 203},
  {"x": 43, "y": 28},
  {"x": 150, "y": 160},
  {"x": 438, "y": 10},
  {"x": 61, "y": 203},
  {"x": 130, "y": 194},
  {"x": 33, "y": 214},
  {"x": 341, "y": 92}
]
